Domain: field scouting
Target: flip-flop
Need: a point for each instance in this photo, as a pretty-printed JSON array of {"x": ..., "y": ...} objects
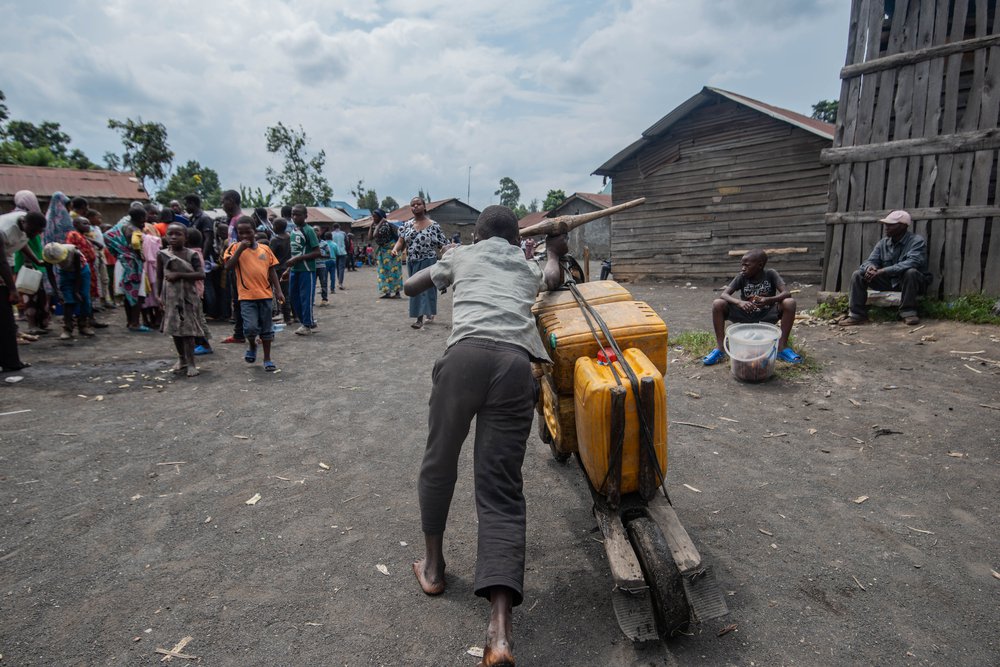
[
  {"x": 270, "y": 367},
  {"x": 142, "y": 328},
  {"x": 713, "y": 357},
  {"x": 789, "y": 355},
  {"x": 250, "y": 356}
]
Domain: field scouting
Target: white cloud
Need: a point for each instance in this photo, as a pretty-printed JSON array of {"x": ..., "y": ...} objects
[{"x": 406, "y": 93}]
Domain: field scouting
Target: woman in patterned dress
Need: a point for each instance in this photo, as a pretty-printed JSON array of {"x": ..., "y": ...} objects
[
  {"x": 390, "y": 271},
  {"x": 422, "y": 238}
]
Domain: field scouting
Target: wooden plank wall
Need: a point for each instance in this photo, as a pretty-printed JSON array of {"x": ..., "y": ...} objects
[
  {"x": 725, "y": 177},
  {"x": 917, "y": 129}
]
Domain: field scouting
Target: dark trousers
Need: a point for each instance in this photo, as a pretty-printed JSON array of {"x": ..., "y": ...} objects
[
  {"x": 912, "y": 284},
  {"x": 492, "y": 382},
  {"x": 341, "y": 267},
  {"x": 286, "y": 307},
  {"x": 234, "y": 299},
  {"x": 10, "y": 360}
]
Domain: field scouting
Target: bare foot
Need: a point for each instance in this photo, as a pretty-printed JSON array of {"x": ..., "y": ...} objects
[
  {"x": 178, "y": 366},
  {"x": 192, "y": 371},
  {"x": 432, "y": 583},
  {"x": 498, "y": 651}
]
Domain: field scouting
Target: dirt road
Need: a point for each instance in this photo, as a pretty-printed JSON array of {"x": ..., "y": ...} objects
[{"x": 125, "y": 528}]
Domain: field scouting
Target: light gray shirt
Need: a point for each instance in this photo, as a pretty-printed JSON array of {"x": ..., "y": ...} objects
[
  {"x": 14, "y": 237},
  {"x": 495, "y": 287}
]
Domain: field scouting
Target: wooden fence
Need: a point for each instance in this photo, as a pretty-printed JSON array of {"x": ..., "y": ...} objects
[{"x": 917, "y": 130}]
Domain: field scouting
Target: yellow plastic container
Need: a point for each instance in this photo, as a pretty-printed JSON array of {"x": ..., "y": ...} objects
[
  {"x": 557, "y": 411},
  {"x": 592, "y": 402},
  {"x": 567, "y": 336},
  {"x": 599, "y": 291}
]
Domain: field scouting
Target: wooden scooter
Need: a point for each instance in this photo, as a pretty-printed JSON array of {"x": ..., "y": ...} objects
[{"x": 661, "y": 582}]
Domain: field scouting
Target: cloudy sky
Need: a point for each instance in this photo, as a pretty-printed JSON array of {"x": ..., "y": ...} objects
[{"x": 409, "y": 94}]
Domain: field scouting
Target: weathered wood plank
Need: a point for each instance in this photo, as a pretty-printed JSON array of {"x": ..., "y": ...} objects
[
  {"x": 945, "y": 145},
  {"x": 991, "y": 276},
  {"x": 682, "y": 548},
  {"x": 935, "y": 213},
  {"x": 949, "y": 124},
  {"x": 895, "y": 185},
  {"x": 625, "y": 568},
  {"x": 921, "y": 85},
  {"x": 913, "y": 57}
]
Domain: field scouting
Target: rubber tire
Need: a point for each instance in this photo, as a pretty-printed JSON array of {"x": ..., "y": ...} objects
[{"x": 664, "y": 579}]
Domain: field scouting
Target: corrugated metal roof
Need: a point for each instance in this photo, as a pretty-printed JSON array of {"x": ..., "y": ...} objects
[
  {"x": 89, "y": 183},
  {"x": 531, "y": 219},
  {"x": 708, "y": 94}
]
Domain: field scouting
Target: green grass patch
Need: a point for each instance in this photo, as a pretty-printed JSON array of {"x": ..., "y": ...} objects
[
  {"x": 972, "y": 308},
  {"x": 695, "y": 343},
  {"x": 699, "y": 343}
]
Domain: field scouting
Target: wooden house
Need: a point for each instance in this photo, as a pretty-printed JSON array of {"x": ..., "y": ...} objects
[
  {"x": 917, "y": 130},
  {"x": 454, "y": 216},
  {"x": 721, "y": 173}
]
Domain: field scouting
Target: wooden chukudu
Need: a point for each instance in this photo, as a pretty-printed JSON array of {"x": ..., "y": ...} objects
[{"x": 661, "y": 582}]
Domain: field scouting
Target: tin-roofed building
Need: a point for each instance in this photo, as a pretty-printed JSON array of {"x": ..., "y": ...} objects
[{"x": 109, "y": 192}]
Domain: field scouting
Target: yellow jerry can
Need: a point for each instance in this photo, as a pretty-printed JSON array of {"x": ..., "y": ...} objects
[
  {"x": 593, "y": 387},
  {"x": 599, "y": 291}
]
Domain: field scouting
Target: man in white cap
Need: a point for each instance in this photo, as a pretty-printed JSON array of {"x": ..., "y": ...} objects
[{"x": 898, "y": 262}]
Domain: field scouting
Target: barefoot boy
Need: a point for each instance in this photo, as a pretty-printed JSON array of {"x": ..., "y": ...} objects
[
  {"x": 485, "y": 373},
  {"x": 256, "y": 280},
  {"x": 755, "y": 295}
]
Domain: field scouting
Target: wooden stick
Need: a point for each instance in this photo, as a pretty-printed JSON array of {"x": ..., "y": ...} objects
[
  {"x": 710, "y": 428},
  {"x": 770, "y": 251},
  {"x": 566, "y": 223},
  {"x": 175, "y": 652}
]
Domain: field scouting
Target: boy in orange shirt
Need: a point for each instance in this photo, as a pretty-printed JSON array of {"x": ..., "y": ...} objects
[{"x": 256, "y": 281}]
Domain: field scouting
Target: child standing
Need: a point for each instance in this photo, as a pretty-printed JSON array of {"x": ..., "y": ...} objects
[
  {"x": 178, "y": 268},
  {"x": 74, "y": 286},
  {"x": 485, "y": 373},
  {"x": 195, "y": 243},
  {"x": 254, "y": 265}
]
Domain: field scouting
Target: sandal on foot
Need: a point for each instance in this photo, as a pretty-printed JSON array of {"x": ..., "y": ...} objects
[
  {"x": 250, "y": 356},
  {"x": 270, "y": 367},
  {"x": 417, "y": 325},
  {"x": 790, "y": 355},
  {"x": 142, "y": 328},
  {"x": 713, "y": 357}
]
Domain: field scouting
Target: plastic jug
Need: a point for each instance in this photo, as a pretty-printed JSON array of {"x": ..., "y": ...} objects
[
  {"x": 752, "y": 350},
  {"x": 28, "y": 280}
]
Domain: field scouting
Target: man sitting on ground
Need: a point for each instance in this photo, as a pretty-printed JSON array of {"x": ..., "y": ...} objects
[
  {"x": 755, "y": 295},
  {"x": 898, "y": 262}
]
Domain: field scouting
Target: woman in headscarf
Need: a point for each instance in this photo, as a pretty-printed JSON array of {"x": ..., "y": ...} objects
[
  {"x": 35, "y": 306},
  {"x": 422, "y": 238},
  {"x": 59, "y": 221},
  {"x": 124, "y": 241},
  {"x": 389, "y": 269}
]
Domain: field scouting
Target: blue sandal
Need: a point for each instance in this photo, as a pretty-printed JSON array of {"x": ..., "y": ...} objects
[
  {"x": 789, "y": 355},
  {"x": 713, "y": 357},
  {"x": 250, "y": 356},
  {"x": 270, "y": 367}
]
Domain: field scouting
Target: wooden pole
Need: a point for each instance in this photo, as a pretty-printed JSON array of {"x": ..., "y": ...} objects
[{"x": 567, "y": 223}]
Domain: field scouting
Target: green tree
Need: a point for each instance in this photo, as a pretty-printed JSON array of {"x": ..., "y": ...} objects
[
  {"x": 826, "y": 111},
  {"x": 533, "y": 206},
  {"x": 389, "y": 204},
  {"x": 366, "y": 198},
  {"x": 146, "y": 150},
  {"x": 193, "y": 179},
  {"x": 111, "y": 161},
  {"x": 301, "y": 179},
  {"x": 255, "y": 198},
  {"x": 46, "y": 135},
  {"x": 423, "y": 195},
  {"x": 553, "y": 199},
  {"x": 509, "y": 193},
  {"x": 4, "y": 112},
  {"x": 520, "y": 210}
]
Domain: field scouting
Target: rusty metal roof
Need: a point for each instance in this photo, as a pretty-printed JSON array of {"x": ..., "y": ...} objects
[
  {"x": 99, "y": 184},
  {"x": 531, "y": 219},
  {"x": 708, "y": 94}
]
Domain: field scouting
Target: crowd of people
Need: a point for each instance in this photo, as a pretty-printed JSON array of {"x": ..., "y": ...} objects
[{"x": 174, "y": 268}]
